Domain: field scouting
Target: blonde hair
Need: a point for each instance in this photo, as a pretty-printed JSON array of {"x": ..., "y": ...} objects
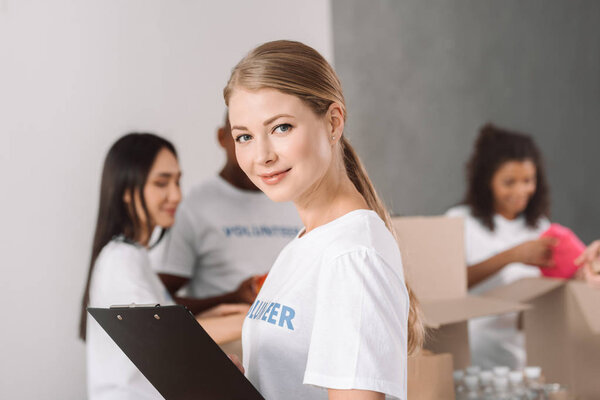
[{"x": 299, "y": 70}]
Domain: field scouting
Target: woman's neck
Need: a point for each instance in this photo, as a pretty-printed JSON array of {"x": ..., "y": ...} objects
[
  {"x": 143, "y": 237},
  {"x": 507, "y": 214},
  {"x": 332, "y": 197}
]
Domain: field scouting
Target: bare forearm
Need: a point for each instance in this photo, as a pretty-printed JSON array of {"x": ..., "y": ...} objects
[
  {"x": 336, "y": 394},
  {"x": 198, "y": 305},
  {"x": 223, "y": 329},
  {"x": 481, "y": 271}
]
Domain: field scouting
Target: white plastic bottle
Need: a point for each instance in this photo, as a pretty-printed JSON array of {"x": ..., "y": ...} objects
[
  {"x": 459, "y": 386},
  {"x": 501, "y": 391},
  {"x": 473, "y": 370},
  {"x": 533, "y": 383},
  {"x": 486, "y": 385},
  {"x": 472, "y": 386},
  {"x": 501, "y": 371},
  {"x": 516, "y": 385}
]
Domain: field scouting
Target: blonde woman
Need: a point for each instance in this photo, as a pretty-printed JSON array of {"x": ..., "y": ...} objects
[{"x": 334, "y": 319}]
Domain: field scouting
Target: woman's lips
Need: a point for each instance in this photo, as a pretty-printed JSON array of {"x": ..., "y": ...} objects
[
  {"x": 275, "y": 177},
  {"x": 170, "y": 211}
]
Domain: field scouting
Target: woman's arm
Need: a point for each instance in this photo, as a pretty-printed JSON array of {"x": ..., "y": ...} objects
[
  {"x": 223, "y": 329},
  {"x": 532, "y": 252},
  {"x": 336, "y": 394},
  {"x": 481, "y": 271},
  {"x": 245, "y": 293}
]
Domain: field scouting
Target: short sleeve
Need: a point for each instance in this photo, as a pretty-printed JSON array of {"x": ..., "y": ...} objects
[
  {"x": 121, "y": 276},
  {"x": 180, "y": 248},
  {"x": 359, "y": 337},
  {"x": 457, "y": 212},
  {"x": 543, "y": 225}
]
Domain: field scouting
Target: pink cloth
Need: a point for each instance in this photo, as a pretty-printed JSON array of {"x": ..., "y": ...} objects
[{"x": 569, "y": 247}]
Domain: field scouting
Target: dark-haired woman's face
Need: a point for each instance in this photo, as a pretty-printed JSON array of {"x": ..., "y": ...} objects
[
  {"x": 513, "y": 184},
  {"x": 161, "y": 191}
]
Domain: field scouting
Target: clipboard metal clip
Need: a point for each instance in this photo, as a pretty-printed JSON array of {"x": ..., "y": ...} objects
[{"x": 133, "y": 305}]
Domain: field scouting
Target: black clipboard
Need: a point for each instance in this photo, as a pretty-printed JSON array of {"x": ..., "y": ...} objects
[{"x": 174, "y": 352}]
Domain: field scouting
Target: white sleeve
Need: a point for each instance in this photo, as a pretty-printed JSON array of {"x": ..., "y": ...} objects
[
  {"x": 359, "y": 337},
  {"x": 180, "y": 248},
  {"x": 121, "y": 276},
  {"x": 457, "y": 211}
]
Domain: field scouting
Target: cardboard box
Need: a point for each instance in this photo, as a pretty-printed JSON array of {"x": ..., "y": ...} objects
[
  {"x": 433, "y": 257},
  {"x": 562, "y": 331},
  {"x": 561, "y": 318},
  {"x": 430, "y": 377}
]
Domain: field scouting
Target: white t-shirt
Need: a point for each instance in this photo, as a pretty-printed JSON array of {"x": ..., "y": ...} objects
[
  {"x": 495, "y": 340},
  {"x": 332, "y": 313},
  {"x": 121, "y": 275},
  {"x": 223, "y": 235}
]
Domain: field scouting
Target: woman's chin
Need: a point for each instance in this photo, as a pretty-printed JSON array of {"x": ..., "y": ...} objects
[
  {"x": 278, "y": 198},
  {"x": 166, "y": 223},
  {"x": 276, "y": 195}
]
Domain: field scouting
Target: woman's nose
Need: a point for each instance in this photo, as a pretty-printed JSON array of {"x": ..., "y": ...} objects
[
  {"x": 265, "y": 153},
  {"x": 174, "y": 195}
]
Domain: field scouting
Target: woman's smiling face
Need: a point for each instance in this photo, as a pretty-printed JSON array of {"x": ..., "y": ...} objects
[
  {"x": 513, "y": 184},
  {"x": 281, "y": 144}
]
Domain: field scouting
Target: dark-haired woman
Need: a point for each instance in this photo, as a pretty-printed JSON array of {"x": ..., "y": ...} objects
[
  {"x": 506, "y": 208},
  {"x": 139, "y": 191}
]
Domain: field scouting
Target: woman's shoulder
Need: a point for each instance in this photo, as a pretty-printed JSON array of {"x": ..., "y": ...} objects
[
  {"x": 461, "y": 210},
  {"x": 122, "y": 275},
  {"x": 120, "y": 251},
  {"x": 363, "y": 232}
]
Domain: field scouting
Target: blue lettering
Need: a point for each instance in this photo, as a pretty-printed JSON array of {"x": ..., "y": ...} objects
[
  {"x": 264, "y": 316},
  {"x": 252, "y": 308},
  {"x": 264, "y": 310},
  {"x": 260, "y": 230},
  {"x": 287, "y": 315},
  {"x": 255, "y": 308},
  {"x": 273, "y": 313},
  {"x": 261, "y": 311}
]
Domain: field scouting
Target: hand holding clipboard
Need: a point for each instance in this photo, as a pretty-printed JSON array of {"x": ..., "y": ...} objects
[{"x": 174, "y": 353}]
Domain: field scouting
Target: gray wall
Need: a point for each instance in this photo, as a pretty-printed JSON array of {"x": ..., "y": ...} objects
[{"x": 420, "y": 77}]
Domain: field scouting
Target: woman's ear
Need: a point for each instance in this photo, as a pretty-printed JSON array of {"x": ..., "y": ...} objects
[
  {"x": 127, "y": 197},
  {"x": 222, "y": 136},
  {"x": 335, "y": 122}
]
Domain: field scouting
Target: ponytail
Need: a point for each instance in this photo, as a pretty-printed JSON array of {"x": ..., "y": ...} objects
[{"x": 359, "y": 177}]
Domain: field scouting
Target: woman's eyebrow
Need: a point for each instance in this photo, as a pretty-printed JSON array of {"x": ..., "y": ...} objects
[
  {"x": 167, "y": 174},
  {"x": 267, "y": 122}
]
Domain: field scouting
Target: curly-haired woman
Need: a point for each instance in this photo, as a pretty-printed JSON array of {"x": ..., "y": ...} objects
[{"x": 505, "y": 209}]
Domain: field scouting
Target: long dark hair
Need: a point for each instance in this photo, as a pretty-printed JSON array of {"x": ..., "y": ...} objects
[
  {"x": 495, "y": 146},
  {"x": 126, "y": 169}
]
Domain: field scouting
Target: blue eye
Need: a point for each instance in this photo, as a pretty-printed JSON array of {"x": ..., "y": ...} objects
[
  {"x": 283, "y": 128},
  {"x": 243, "y": 138}
]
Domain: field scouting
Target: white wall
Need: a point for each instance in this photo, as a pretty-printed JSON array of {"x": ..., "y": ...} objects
[{"x": 75, "y": 75}]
